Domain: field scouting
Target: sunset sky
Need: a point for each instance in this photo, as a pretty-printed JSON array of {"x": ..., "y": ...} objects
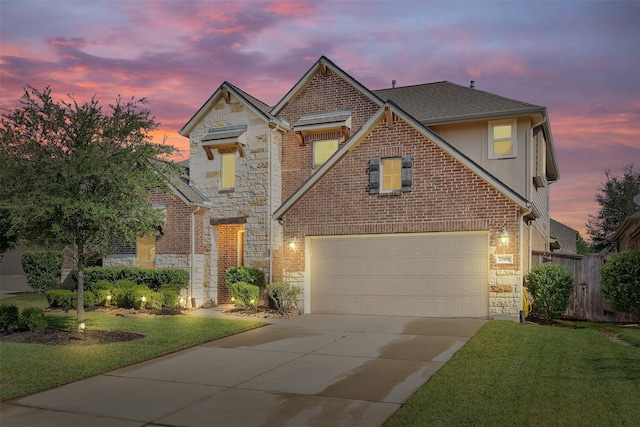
[{"x": 580, "y": 59}]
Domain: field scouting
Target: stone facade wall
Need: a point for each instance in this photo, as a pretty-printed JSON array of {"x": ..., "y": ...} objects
[
  {"x": 255, "y": 196},
  {"x": 446, "y": 196}
]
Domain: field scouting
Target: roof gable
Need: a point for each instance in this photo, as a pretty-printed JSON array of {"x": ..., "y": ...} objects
[
  {"x": 225, "y": 91},
  {"x": 321, "y": 66},
  {"x": 386, "y": 112}
]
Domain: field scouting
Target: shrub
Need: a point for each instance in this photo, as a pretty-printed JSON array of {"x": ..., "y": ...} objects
[
  {"x": 284, "y": 295},
  {"x": 9, "y": 316},
  {"x": 43, "y": 269},
  {"x": 103, "y": 284},
  {"x": 244, "y": 294},
  {"x": 104, "y": 297},
  {"x": 153, "y": 278},
  {"x": 620, "y": 277},
  {"x": 170, "y": 294},
  {"x": 250, "y": 275},
  {"x": 550, "y": 286},
  {"x": 61, "y": 298},
  {"x": 67, "y": 299},
  {"x": 32, "y": 319}
]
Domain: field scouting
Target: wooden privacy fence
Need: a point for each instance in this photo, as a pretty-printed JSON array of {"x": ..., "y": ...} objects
[{"x": 587, "y": 301}]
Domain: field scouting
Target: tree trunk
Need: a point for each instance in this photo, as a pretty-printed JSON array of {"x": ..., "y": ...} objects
[{"x": 80, "y": 290}]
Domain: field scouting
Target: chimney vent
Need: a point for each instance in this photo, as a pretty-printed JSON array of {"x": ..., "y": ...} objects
[
  {"x": 393, "y": 83},
  {"x": 473, "y": 84}
]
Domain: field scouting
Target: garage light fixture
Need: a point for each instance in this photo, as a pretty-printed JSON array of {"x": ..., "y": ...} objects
[
  {"x": 503, "y": 238},
  {"x": 292, "y": 243}
]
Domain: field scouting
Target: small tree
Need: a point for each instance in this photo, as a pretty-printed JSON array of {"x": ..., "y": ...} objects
[
  {"x": 615, "y": 198},
  {"x": 75, "y": 175},
  {"x": 550, "y": 286},
  {"x": 620, "y": 277}
]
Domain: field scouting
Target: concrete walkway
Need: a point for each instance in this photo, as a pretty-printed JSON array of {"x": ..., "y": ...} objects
[{"x": 313, "y": 370}]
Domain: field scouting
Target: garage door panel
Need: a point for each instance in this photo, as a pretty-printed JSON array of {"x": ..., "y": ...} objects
[{"x": 434, "y": 275}]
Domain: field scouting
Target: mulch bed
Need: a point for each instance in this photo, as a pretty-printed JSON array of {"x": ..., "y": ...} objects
[{"x": 261, "y": 313}]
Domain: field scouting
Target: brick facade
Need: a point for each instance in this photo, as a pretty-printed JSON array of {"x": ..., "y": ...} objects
[
  {"x": 323, "y": 94},
  {"x": 446, "y": 196}
]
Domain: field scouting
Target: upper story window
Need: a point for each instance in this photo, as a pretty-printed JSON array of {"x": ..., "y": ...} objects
[
  {"x": 502, "y": 139},
  {"x": 391, "y": 171},
  {"x": 228, "y": 171},
  {"x": 391, "y": 175},
  {"x": 322, "y": 150}
]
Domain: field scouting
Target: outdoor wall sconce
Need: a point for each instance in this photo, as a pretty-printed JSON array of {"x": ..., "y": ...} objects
[
  {"x": 503, "y": 238},
  {"x": 292, "y": 243}
]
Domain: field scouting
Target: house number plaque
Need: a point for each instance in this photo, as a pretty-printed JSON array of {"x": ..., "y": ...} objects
[{"x": 504, "y": 259}]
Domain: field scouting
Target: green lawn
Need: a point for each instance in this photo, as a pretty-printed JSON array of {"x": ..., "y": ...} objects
[
  {"x": 531, "y": 375},
  {"x": 28, "y": 368}
]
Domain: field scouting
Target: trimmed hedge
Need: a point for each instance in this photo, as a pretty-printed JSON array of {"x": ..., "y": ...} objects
[
  {"x": 43, "y": 269},
  {"x": 250, "y": 275},
  {"x": 244, "y": 294},
  {"x": 67, "y": 299},
  {"x": 153, "y": 278}
]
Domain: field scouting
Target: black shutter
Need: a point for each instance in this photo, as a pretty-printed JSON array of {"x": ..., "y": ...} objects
[
  {"x": 407, "y": 173},
  {"x": 374, "y": 176}
]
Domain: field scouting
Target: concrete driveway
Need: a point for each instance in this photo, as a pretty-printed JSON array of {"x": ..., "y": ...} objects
[{"x": 313, "y": 370}]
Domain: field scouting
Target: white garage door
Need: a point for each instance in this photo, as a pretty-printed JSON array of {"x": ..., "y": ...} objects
[{"x": 430, "y": 275}]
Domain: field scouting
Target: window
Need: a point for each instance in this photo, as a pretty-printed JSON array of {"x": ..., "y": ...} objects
[
  {"x": 146, "y": 251},
  {"x": 322, "y": 150},
  {"x": 241, "y": 248},
  {"x": 228, "y": 172},
  {"x": 502, "y": 139},
  {"x": 391, "y": 175}
]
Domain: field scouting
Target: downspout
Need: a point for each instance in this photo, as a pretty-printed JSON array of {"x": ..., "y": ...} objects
[
  {"x": 521, "y": 225},
  {"x": 193, "y": 254},
  {"x": 270, "y": 210}
]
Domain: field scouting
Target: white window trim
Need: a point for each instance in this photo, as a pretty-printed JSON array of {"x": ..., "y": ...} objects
[
  {"x": 514, "y": 138},
  {"x": 382, "y": 189}
]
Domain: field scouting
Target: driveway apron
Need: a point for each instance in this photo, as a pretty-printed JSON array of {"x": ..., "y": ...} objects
[{"x": 313, "y": 370}]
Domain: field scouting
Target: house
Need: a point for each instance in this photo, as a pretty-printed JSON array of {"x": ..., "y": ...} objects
[
  {"x": 425, "y": 200},
  {"x": 563, "y": 238},
  {"x": 627, "y": 237}
]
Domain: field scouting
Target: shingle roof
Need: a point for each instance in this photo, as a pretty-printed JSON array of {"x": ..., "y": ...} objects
[
  {"x": 442, "y": 101},
  {"x": 181, "y": 184}
]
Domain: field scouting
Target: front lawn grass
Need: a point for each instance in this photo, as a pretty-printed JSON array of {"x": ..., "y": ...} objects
[
  {"x": 515, "y": 374},
  {"x": 29, "y": 368}
]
